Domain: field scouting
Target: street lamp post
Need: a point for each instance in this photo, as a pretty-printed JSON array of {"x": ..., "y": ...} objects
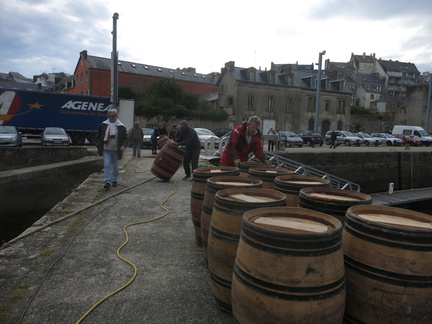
[
  {"x": 429, "y": 102},
  {"x": 114, "y": 63},
  {"x": 317, "y": 104}
]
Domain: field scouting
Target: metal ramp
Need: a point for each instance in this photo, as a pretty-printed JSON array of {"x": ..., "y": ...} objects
[{"x": 301, "y": 169}]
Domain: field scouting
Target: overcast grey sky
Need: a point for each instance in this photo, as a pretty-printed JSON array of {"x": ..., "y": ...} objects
[{"x": 47, "y": 36}]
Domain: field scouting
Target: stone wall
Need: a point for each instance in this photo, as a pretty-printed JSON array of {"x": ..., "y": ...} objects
[
  {"x": 373, "y": 171},
  {"x": 22, "y": 157}
]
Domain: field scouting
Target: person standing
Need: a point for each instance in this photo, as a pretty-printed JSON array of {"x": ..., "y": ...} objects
[
  {"x": 279, "y": 138},
  {"x": 111, "y": 142},
  {"x": 333, "y": 139},
  {"x": 271, "y": 144},
  {"x": 243, "y": 140},
  {"x": 188, "y": 137},
  {"x": 137, "y": 136},
  {"x": 156, "y": 133}
]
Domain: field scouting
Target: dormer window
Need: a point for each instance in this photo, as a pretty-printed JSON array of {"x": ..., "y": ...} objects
[
  {"x": 271, "y": 77},
  {"x": 252, "y": 75}
]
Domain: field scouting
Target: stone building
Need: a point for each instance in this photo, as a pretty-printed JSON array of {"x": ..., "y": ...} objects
[{"x": 283, "y": 97}]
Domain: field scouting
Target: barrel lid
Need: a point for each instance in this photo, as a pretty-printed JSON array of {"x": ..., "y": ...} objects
[
  {"x": 250, "y": 198},
  {"x": 334, "y": 197},
  {"x": 304, "y": 182},
  {"x": 291, "y": 224},
  {"x": 235, "y": 183},
  {"x": 395, "y": 220}
]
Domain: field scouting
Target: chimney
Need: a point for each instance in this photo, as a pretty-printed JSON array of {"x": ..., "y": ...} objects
[
  {"x": 84, "y": 54},
  {"x": 230, "y": 65}
]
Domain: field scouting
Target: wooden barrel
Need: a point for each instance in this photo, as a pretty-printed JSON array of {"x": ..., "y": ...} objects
[
  {"x": 214, "y": 184},
  {"x": 334, "y": 202},
  {"x": 268, "y": 175},
  {"x": 167, "y": 162},
  {"x": 224, "y": 234},
  {"x": 289, "y": 268},
  {"x": 199, "y": 183},
  {"x": 291, "y": 185},
  {"x": 162, "y": 140},
  {"x": 245, "y": 166},
  {"x": 388, "y": 264}
]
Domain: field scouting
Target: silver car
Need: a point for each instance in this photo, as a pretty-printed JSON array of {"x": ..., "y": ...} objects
[
  {"x": 344, "y": 137},
  {"x": 10, "y": 136},
  {"x": 207, "y": 137},
  {"x": 367, "y": 139},
  {"x": 54, "y": 136},
  {"x": 388, "y": 139},
  {"x": 291, "y": 139}
]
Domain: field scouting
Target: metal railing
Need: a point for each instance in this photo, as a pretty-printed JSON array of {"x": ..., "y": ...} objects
[
  {"x": 302, "y": 169},
  {"x": 298, "y": 168}
]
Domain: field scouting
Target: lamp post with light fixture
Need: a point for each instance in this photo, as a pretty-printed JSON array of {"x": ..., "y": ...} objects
[
  {"x": 114, "y": 62},
  {"x": 317, "y": 104}
]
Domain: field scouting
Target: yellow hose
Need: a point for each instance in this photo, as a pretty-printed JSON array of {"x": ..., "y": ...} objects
[{"x": 127, "y": 261}]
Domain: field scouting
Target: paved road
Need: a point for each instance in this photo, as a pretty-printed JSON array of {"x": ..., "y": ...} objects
[{"x": 57, "y": 274}]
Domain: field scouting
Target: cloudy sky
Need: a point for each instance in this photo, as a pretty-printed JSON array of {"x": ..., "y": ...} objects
[{"x": 47, "y": 35}]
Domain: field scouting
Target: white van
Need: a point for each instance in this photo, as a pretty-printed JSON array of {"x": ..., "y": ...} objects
[{"x": 416, "y": 131}]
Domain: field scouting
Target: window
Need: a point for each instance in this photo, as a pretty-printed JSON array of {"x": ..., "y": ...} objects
[
  {"x": 251, "y": 102},
  {"x": 341, "y": 106},
  {"x": 221, "y": 89},
  {"x": 271, "y": 78},
  {"x": 372, "y": 97},
  {"x": 252, "y": 75},
  {"x": 288, "y": 107},
  {"x": 230, "y": 102},
  {"x": 289, "y": 79},
  {"x": 311, "y": 102},
  {"x": 87, "y": 77},
  {"x": 327, "y": 106},
  {"x": 270, "y": 103}
]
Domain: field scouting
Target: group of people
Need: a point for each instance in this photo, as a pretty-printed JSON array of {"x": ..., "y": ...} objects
[{"x": 112, "y": 140}]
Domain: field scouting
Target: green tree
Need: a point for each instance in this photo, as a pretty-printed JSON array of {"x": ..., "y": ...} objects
[{"x": 167, "y": 99}]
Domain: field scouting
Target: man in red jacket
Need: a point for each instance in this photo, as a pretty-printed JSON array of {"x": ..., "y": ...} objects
[{"x": 244, "y": 139}]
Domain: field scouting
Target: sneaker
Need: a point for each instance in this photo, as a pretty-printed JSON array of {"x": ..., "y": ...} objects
[
  {"x": 114, "y": 184},
  {"x": 186, "y": 177},
  {"x": 107, "y": 185},
  {"x": 139, "y": 156}
]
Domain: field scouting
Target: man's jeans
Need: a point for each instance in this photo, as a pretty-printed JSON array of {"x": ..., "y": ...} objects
[
  {"x": 136, "y": 146},
  {"x": 110, "y": 158}
]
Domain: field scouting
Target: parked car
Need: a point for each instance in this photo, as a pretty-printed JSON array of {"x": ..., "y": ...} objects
[
  {"x": 10, "y": 136},
  {"x": 343, "y": 137},
  {"x": 205, "y": 134},
  {"x": 220, "y": 132},
  {"x": 291, "y": 139},
  {"x": 147, "y": 137},
  {"x": 54, "y": 136},
  {"x": 311, "y": 138},
  {"x": 388, "y": 139},
  {"x": 409, "y": 139},
  {"x": 367, "y": 140}
]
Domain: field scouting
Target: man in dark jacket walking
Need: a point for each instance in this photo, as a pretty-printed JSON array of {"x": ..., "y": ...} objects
[
  {"x": 333, "y": 139},
  {"x": 188, "y": 137},
  {"x": 111, "y": 140}
]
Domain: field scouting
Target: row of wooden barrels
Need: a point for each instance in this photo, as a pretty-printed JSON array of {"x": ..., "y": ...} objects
[{"x": 287, "y": 248}]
